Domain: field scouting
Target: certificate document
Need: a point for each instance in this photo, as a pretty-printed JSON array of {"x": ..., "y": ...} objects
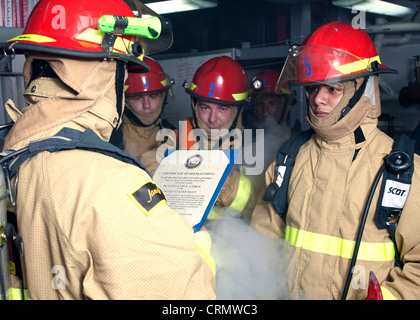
[{"x": 192, "y": 179}]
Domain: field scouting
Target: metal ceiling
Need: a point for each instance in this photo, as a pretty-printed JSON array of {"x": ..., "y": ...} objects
[{"x": 265, "y": 22}]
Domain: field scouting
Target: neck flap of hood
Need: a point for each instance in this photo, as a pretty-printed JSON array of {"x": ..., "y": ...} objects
[{"x": 83, "y": 95}]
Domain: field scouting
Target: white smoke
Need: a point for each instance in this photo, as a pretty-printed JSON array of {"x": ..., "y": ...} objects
[
  {"x": 249, "y": 265},
  {"x": 275, "y": 134}
]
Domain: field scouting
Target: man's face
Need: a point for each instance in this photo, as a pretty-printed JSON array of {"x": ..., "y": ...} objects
[
  {"x": 269, "y": 105},
  {"x": 214, "y": 115},
  {"x": 324, "y": 98},
  {"x": 147, "y": 104}
]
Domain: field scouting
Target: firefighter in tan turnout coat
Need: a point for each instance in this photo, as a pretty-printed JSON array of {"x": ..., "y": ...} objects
[
  {"x": 93, "y": 227},
  {"x": 218, "y": 91},
  {"x": 144, "y": 130},
  {"x": 333, "y": 175}
]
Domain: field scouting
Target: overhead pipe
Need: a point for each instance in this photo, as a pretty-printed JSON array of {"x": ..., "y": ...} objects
[
  {"x": 381, "y": 28},
  {"x": 393, "y": 27}
]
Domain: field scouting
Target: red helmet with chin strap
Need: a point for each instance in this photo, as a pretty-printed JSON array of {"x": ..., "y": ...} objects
[
  {"x": 334, "y": 52},
  {"x": 153, "y": 81},
  {"x": 221, "y": 80},
  {"x": 265, "y": 82}
]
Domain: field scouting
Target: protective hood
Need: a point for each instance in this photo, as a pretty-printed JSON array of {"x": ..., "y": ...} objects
[
  {"x": 331, "y": 127},
  {"x": 82, "y": 95}
]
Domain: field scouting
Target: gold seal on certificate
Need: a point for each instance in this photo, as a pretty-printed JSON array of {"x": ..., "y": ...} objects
[{"x": 192, "y": 179}]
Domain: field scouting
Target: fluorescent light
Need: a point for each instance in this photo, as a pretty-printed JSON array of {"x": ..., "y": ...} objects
[
  {"x": 171, "y": 6},
  {"x": 375, "y": 6}
]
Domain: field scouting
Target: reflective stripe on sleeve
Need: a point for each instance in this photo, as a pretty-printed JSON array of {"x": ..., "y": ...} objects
[
  {"x": 242, "y": 195},
  {"x": 16, "y": 294}
]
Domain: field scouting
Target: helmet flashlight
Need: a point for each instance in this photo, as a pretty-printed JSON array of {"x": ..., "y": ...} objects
[{"x": 150, "y": 27}]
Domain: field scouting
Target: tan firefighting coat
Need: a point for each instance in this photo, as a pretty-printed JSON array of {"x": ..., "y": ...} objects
[
  {"x": 86, "y": 234},
  {"x": 327, "y": 196},
  {"x": 145, "y": 144}
]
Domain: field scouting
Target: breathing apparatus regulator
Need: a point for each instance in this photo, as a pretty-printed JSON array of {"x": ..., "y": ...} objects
[{"x": 396, "y": 171}]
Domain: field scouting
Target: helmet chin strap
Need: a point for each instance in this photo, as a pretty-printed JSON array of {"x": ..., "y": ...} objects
[
  {"x": 356, "y": 97},
  {"x": 119, "y": 88},
  {"x": 130, "y": 114},
  {"x": 351, "y": 97}
]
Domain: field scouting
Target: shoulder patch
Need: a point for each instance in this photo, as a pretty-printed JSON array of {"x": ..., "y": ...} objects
[{"x": 148, "y": 197}]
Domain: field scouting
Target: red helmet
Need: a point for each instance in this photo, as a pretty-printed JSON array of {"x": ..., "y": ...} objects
[
  {"x": 334, "y": 52},
  {"x": 71, "y": 28},
  {"x": 221, "y": 80},
  {"x": 265, "y": 82},
  {"x": 153, "y": 81}
]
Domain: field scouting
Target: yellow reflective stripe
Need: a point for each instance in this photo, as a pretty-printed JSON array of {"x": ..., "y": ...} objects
[
  {"x": 240, "y": 96},
  {"x": 33, "y": 37},
  {"x": 193, "y": 86},
  {"x": 16, "y": 294},
  {"x": 214, "y": 213},
  {"x": 386, "y": 294},
  {"x": 335, "y": 246},
  {"x": 242, "y": 195},
  {"x": 209, "y": 259},
  {"x": 95, "y": 36},
  {"x": 203, "y": 240},
  {"x": 284, "y": 91},
  {"x": 357, "y": 65},
  {"x": 236, "y": 96},
  {"x": 91, "y": 35},
  {"x": 164, "y": 83}
]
